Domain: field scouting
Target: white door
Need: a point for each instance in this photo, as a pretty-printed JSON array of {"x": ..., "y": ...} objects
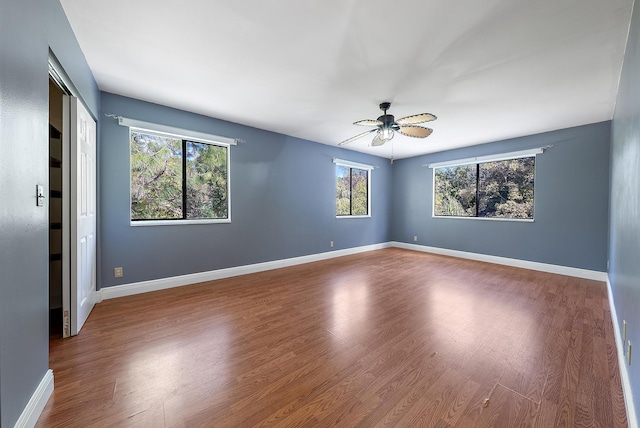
[{"x": 82, "y": 213}]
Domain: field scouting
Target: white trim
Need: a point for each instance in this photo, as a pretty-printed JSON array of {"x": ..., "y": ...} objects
[
  {"x": 177, "y": 132},
  {"x": 490, "y": 158},
  {"x": 353, "y": 216},
  {"x": 178, "y": 281},
  {"x": 622, "y": 362},
  {"x": 343, "y": 162},
  {"x": 525, "y": 264},
  {"x": 433, "y": 192},
  {"x": 523, "y": 220},
  {"x": 177, "y": 222},
  {"x": 35, "y": 406},
  {"x": 96, "y": 296}
]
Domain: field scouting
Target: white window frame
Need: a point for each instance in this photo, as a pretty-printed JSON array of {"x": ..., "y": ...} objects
[
  {"x": 182, "y": 134},
  {"x": 478, "y": 160},
  {"x": 350, "y": 164}
]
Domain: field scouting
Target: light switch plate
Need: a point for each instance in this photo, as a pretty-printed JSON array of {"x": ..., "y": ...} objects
[{"x": 39, "y": 195}]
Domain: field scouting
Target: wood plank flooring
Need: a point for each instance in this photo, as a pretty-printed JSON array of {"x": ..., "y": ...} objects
[{"x": 380, "y": 339}]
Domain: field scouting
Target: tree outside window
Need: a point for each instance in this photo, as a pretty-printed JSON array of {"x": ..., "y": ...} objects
[
  {"x": 177, "y": 179},
  {"x": 498, "y": 189},
  {"x": 352, "y": 191}
]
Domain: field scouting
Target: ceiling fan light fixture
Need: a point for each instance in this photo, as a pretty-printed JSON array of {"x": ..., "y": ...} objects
[{"x": 386, "y": 134}]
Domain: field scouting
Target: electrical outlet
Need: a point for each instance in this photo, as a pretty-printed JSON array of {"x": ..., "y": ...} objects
[
  {"x": 117, "y": 272},
  {"x": 629, "y": 352},
  {"x": 331, "y": 244},
  {"x": 415, "y": 238}
]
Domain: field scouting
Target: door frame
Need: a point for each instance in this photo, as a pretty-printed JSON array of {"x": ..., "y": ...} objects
[{"x": 57, "y": 73}]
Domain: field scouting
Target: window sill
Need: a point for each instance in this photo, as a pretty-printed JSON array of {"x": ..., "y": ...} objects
[
  {"x": 520, "y": 220},
  {"x": 353, "y": 216},
  {"x": 176, "y": 222}
]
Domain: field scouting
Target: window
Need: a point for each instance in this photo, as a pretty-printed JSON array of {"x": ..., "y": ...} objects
[
  {"x": 494, "y": 189},
  {"x": 353, "y": 182},
  {"x": 177, "y": 178}
]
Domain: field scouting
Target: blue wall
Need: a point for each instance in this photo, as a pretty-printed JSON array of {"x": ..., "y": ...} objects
[
  {"x": 624, "y": 244},
  {"x": 570, "y": 203},
  {"x": 28, "y": 29},
  {"x": 275, "y": 216},
  {"x": 282, "y": 201}
]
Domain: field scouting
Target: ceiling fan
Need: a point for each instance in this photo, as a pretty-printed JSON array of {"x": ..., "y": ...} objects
[{"x": 386, "y": 126}]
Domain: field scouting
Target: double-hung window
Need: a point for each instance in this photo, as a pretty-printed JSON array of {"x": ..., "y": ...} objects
[
  {"x": 353, "y": 184},
  {"x": 488, "y": 187},
  {"x": 178, "y": 179}
]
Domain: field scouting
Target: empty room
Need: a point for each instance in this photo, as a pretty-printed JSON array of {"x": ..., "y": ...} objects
[{"x": 301, "y": 214}]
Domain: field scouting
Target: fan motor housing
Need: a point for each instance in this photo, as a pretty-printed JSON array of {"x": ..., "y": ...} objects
[{"x": 388, "y": 121}]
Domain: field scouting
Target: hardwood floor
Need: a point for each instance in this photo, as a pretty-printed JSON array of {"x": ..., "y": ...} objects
[{"x": 385, "y": 338}]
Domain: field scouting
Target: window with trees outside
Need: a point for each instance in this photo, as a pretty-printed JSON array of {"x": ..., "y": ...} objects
[
  {"x": 179, "y": 179},
  {"x": 352, "y": 189},
  {"x": 492, "y": 189}
]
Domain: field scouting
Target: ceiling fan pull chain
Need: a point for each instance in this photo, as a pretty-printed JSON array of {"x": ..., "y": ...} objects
[{"x": 392, "y": 153}]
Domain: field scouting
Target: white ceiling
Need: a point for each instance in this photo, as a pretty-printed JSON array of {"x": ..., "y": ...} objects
[{"x": 489, "y": 70}]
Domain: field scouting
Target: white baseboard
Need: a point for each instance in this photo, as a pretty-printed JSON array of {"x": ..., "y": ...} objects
[
  {"x": 544, "y": 267},
  {"x": 96, "y": 296},
  {"x": 622, "y": 363},
  {"x": 178, "y": 281},
  {"x": 193, "y": 278},
  {"x": 36, "y": 404}
]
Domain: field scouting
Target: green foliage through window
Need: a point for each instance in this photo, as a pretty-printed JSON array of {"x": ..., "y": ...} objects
[
  {"x": 174, "y": 178},
  {"x": 500, "y": 189},
  {"x": 352, "y": 191}
]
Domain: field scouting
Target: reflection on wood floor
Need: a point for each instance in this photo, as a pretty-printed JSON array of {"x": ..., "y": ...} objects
[{"x": 385, "y": 338}]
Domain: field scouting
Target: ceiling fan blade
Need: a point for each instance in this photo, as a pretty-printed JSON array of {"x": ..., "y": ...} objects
[
  {"x": 377, "y": 141},
  {"x": 416, "y": 118},
  {"x": 415, "y": 131},
  {"x": 348, "y": 140},
  {"x": 368, "y": 122}
]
